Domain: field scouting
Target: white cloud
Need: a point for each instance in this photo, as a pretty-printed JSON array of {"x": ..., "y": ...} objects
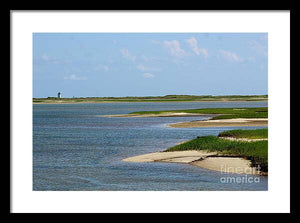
[
  {"x": 74, "y": 77},
  {"x": 49, "y": 59},
  {"x": 203, "y": 52},
  {"x": 259, "y": 47},
  {"x": 174, "y": 48},
  {"x": 126, "y": 54},
  {"x": 148, "y": 75},
  {"x": 45, "y": 57},
  {"x": 142, "y": 67},
  {"x": 193, "y": 43},
  {"x": 230, "y": 56}
]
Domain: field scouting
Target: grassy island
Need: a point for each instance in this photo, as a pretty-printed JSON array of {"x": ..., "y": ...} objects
[
  {"x": 220, "y": 113},
  {"x": 255, "y": 151}
]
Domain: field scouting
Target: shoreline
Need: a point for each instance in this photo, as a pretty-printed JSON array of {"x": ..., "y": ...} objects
[
  {"x": 219, "y": 153},
  {"x": 100, "y": 102},
  {"x": 165, "y": 114},
  {"x": 204, "y": 159},
  {"x": 237, "y": 122}
]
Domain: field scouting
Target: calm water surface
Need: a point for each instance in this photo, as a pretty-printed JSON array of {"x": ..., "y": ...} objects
[{"x": 75, "y": 149}]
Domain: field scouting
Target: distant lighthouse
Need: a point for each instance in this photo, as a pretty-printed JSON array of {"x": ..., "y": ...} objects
[{"x": 59, "y": 95}]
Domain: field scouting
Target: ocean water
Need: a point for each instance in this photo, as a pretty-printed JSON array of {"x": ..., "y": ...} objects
[{"x": 75, "y": 149}]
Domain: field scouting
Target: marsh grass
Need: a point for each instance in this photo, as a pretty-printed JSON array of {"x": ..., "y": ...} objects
[
  {"x": 257, "y": 151},
  {"x": 250, "y": 134}
]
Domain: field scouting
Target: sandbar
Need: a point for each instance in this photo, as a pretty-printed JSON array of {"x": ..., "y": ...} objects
[
  {"x": 222, "y": 123},
  {"x": 179, "y": 156},
  {"x": 165, "y": 114},
  {"x": 203, "y": 159}
]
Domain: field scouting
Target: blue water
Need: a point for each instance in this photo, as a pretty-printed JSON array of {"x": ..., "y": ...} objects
[{"x": 75, "y": 149}]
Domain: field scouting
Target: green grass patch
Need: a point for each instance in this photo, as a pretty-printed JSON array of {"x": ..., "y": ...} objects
[
  {"x": 223, "y": 113},
  {"x": 257, "y": 151},
  {"x": 250, "y": 134}
]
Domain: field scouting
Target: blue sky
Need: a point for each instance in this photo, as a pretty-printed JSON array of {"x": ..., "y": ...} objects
[{"x": 144, "y": 64}]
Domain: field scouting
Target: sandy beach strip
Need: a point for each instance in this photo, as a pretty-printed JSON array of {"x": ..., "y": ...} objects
[
  {"x": 222, "y": 123},
  {"x": 203, "y": 159},
  {"x": 243, "y": 139},
  {"x": 165, "y": 114},
  {"x": 180, "y": 156},
  {"x": 201, "y": 123}
]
